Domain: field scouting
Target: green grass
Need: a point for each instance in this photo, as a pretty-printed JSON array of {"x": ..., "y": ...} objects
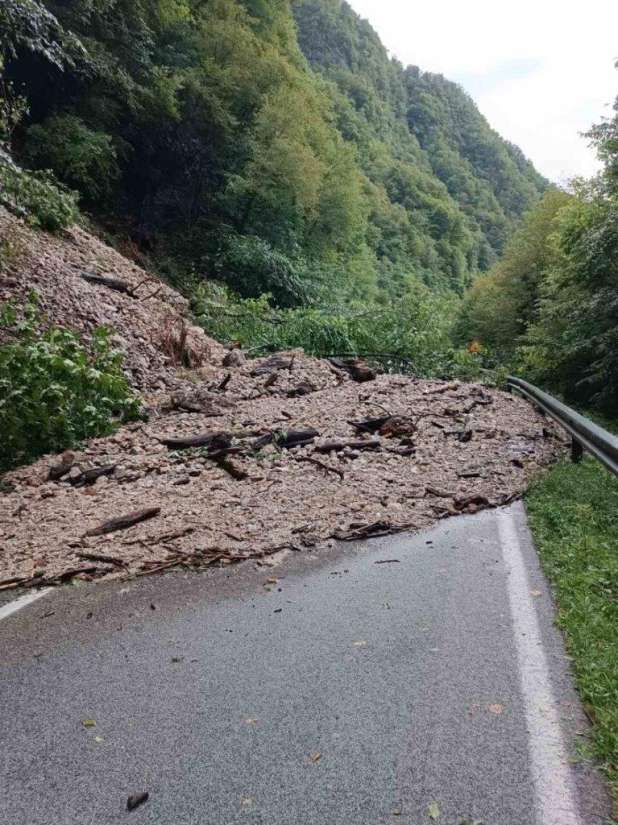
[{"x": 573, "y": 514}]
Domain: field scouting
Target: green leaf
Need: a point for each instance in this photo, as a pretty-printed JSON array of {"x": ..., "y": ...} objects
[{"x": 433, "y": 811}]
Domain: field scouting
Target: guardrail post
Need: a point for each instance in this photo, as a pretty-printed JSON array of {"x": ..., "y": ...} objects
[{"x": 577, "y": 451}]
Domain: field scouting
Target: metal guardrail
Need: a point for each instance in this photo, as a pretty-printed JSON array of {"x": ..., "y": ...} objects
[{"x": 586, "y": 436}]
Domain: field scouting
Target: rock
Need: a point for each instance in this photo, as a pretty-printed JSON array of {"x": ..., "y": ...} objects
[{"x": 234, "y": 358}]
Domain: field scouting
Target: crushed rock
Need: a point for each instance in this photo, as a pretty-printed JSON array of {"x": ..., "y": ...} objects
[
  {"x": 450, "y": 448},
  {"x": 146, "y": 327}
]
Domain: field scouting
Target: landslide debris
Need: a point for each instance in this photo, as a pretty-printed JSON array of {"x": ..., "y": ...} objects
[{"x": 241, "y": 458}]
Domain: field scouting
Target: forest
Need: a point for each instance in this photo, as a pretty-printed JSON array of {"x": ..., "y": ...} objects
[
  {"x": 269, "y": 157},
  {"x": 271, "y": 146},
  {"x": 549, "y": 308}
]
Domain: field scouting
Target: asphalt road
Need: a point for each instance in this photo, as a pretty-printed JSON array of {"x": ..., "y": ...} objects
[{"x": 433, "y": 688}]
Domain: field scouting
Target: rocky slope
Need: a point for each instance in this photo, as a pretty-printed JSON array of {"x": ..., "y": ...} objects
[{"x": 240, "y": 458}]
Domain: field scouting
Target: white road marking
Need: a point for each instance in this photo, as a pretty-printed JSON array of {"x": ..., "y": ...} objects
[
  {"x": 555, "y": 799},
  {"x": 12, "y": 607}
]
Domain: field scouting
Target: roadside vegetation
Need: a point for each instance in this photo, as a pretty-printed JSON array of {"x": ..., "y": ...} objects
[
  {"x": 55, "y": 390},
  {"x": 414, "y": 331},
  {"x": 549, "y": 308},
  {"x": 573, "y": 514}
]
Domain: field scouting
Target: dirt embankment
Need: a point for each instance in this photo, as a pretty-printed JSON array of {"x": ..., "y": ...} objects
[{"x": 240, "y": 458}]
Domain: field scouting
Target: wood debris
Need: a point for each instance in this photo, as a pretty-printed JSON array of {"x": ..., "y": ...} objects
[
  {"x": 293, "y": 461},
  {"x": 123, "y": 522}
]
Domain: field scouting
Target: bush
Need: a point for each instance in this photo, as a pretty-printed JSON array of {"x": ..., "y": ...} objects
[
  {"x": 252, "y": 267},
  {"x": 53, "y": 390},
  {"x": 82, "y": 158},
  {"x": 37, "y": 197},
  {"x": 414, "y": 330}
]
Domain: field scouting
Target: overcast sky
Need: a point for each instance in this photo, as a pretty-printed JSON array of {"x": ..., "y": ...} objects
[{"x": 541, "y": 71}]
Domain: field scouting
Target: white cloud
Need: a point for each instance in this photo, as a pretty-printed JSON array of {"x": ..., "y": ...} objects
[{"x": 541, "y": 71}]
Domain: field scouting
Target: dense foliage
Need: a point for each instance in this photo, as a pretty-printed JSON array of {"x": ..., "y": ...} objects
[
  {"x": 410, "y": 334},
  {"x": 53, "y": 390},
  {"x": 272, "y": 145},
  {"x": 446, "y": 190},
  {"x": 36, "y": 196},
  {"x": 550, "y": 307}
]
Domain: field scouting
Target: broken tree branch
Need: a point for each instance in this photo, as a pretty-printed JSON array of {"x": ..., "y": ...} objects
[
  {"x": 337, "y": 446},
  {"x": 111, "y": 283},
  {"x": 308, "y": 460},
  {"x": 123, "y": 522},
  {"x": 218, "y": 440}
]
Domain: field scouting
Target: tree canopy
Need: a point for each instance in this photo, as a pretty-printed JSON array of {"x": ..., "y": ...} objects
[
  {"x": 550, "y": 306},
  {"x": 272, "y": 144}
]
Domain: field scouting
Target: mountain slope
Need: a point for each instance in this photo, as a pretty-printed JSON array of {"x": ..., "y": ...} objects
[
  {"x": 271, "y": 145},
  {"x": 425, "y": 121}
]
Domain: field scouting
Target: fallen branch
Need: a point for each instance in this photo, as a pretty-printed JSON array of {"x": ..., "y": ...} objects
[
  {"x": 58, "y": 471},
  {"x": 273, "y": 364},
  {"x": 370, "y": 425},
  {"x": 225, "y": 382},
  {"x": 285, "y": 439},
  {"x": 337, "y": 446},
  {"x": 16, "y": 581},
  {"x": 152, "y": 294},
  {"x": 308, "y": 460},
  {"x": 102, "y": 558},
  {"x": 123, "y": 522},
  {"x": 218, "y": 440},
  {"x": 375, "y": 530},
  {"x": 51, "y": 581},
  {"x": 111, "y": 283},
  {"x": 89, "y": 477}
]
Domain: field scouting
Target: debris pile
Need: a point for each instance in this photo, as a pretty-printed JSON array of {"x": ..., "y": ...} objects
[
  {"x": 83, "y": 284},
  {"x": 240, "y": 458}
]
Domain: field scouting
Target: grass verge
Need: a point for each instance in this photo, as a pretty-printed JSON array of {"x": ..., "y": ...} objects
[{"x": 573, "y": 513}]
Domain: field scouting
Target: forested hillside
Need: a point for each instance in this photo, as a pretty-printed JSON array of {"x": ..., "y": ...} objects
[
  {"x": 549, "y": 308},
  {"x": 422, "y": 141},
  {"x": 271, "y": 146}
]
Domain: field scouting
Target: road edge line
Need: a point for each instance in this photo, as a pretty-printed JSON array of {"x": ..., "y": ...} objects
[
  {"x": 23, "y": 601},
  {"x": 556, "y": 801}
]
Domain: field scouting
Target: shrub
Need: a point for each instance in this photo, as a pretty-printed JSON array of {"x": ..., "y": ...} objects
[
  {"x": 414, "y": 330},
  {"x": 253, "y": 267},
  {"x": 83, "y": 159},
  {"x": 37, "y": 197},
  {"x": 53, "y": 390}
]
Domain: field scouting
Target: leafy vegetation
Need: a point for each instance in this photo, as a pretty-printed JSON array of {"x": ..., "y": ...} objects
[
  {"x": 573, "y": 513},
  {"x": 273, "y": 146},
  {"x": 414, "y": 331},
  {"x": 54, "y": 391},
  {"x": 36, "y": 196},
  {"x": 550, "y": 306}
]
